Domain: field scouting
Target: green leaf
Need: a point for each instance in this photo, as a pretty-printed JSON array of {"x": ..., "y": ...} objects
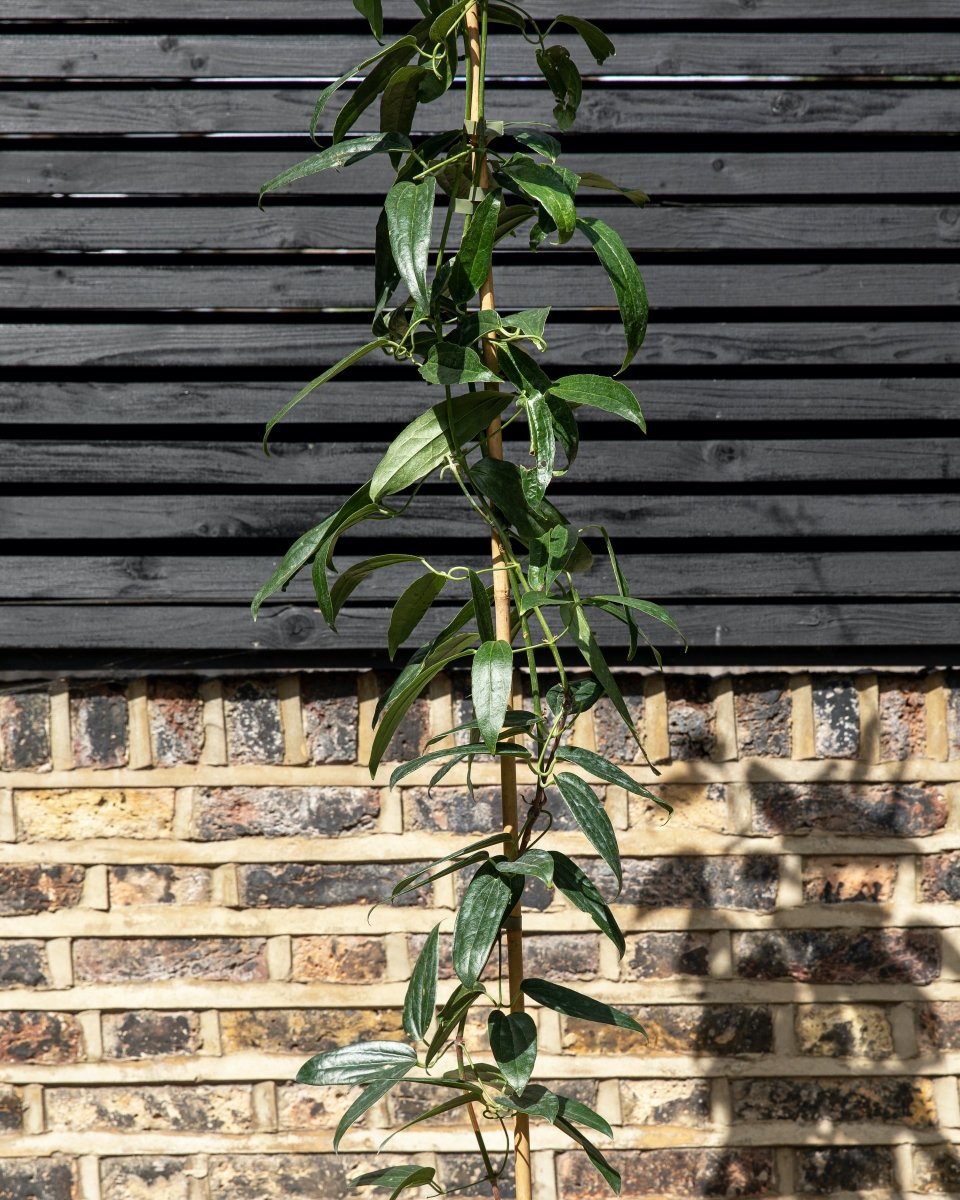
[
  {"x": 367, "y": 1099},
  {"x": 456, "y": 754},
  {"x": 330, "y": 373},
  {"x": 337, "y": 156},
  {"x": 481, "y": 607},
  {"x": 471, "y": 264},
  {"x": 584, "y": 693},
  {"x": 502, "y": 483},
  {"x": 449, "y": 1017},
  {"x": 331, "y": 88},
  {"x": 447, "y": 21},
  {"x": 460, "y": 857},
  {"x": 398, "y": 104},
  {"x": 582, "y": 893},
  {"x": 589, "y": 648},
  {"x": 421, "y": 997},
  {"x": 513, "y": 1040},
  {"x": 644, "y": 606},
  {"x": 522, "y": 370},
  {"x": 529, "y": 321},
  {"x": 548, "y": 556},
  {"x": 565, "y": 429},
  {"x": 611, "y": 1175},
  {"x": 553, "y": 188},
  {"x": 536, "y": 1100},
  {"x": 472, "y": 1094},
  {"x": 634, "y": 195},
  {"x": 597, "y": 41},
  {"x": 428, "y": 440},
  {"x": 409, "y": 209},
  {"x": 573, "y": 1110},
  {"x": 411, "y": 607},
  {"x": 353, "y": 576},
  {"x": 487, "y": 900},
  {"x": 575, "y": 1004},
  {"x": 491, "y": 679},
  {"x": 609, "y": 772},
  {"x": 474, "y": 326},
  {"x": 447, "y": 363},
  {"x": 591, "y": 816},
  {"x": 357, "y": 103},
  {"x": 564, "y": 81},
  {"x": 598, "y": 391},
  {"x": 394, "y": 1177},
  {"x": 538, "y": 864},
  {"x": 512, "y": 216},
  {"x": 624, "y": 275},
  {"x": 506, "y": 16},
  {"x": 373, "y": 11},
  {"x": 540, "y": 143},
  {"x": 364, "y": 1062}
]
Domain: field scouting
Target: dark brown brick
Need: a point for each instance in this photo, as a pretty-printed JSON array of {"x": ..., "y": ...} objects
[
  {"x": 952, "y": 685},
  {"x": 176, "y": 721},
  {"x": 839, "y": 955},
  {"x": 35, "y": 889},
  {"x": 201, "y": 1108},
  {"x": 116, "y": 960},
  {"x": 842, "y": 1030},
  {"x": 413, "y": 730},
  {"x": 330, "y": 715},
  {"x": 154, "y": 1178},
  {"x": 457, "y": 1170},
  {"x": 339, "y": 959},
  {"x": 236, "y": 812},
  {"x": 306, "y": 1031},
  {"x": 11, "y": 1110},
  {"x": 665, "y": 955},
  {"x": 563, "y": 957},
  {"x": 98, "y": 719},
  {"x": 689, "y": 881},
  {"x": 879, "y": 809},
  {"x": 714, "y": 1030},
  {"x": 938, "y": 1026},
  {"x": 145, "y": 1034},
  {"x": 903, "y": 732},
  {"x": 39, "y": 1179},
  {"x": 409, "y": 1100},
  {"x": 24, "y": 729},
  {"x": 614, "y": 739},
  {"x": 859, "y": 1169},
  {"x": 159, "y": 884},
  {"x": 836, "y": 717},
  {"x": 39, "y": 1037},
  {"x": 316, "y": 885},
  {"x": 867, "y": 1100},
  {"x": 940, "y": 877},
  {"x": 681, "y": 1173},
  {"x": 254, "y": 731},
  {"x": 665, "y": 1102},
  {"x": 691, "y": 717},
  {"x": 849, "y": 880},
  {"x": 454, "y": 810},
  {"x": 23, "y": 963},
  {"x": 763, "y": 705},
  {"x": 290, "y": 1176},
  {"x": 937, "y": 1169}
]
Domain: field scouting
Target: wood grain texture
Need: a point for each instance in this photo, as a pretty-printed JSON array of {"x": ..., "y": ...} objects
[
  {"x": 83, "y": 55},
  {"x": 606, "y": 109},
  {"x": 722, "y": 461},
  {"x": 715, "y": 401},
  {"x": 242, "y": 227},
  {"x": 721, "y": 173},
  {"x": 309, "y": 347},
  {"x": 238, "y": 517},
  {"x": 100, "y": 286}
]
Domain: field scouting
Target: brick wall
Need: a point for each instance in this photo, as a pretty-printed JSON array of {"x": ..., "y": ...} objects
[{"x": 187, "y": 869}]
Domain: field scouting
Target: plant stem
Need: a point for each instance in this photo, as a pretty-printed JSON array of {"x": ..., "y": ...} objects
[{"x": 476, "y": 55}]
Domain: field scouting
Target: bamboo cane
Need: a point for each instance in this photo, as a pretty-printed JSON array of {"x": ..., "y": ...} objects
[{"x": 501, "y": 597}]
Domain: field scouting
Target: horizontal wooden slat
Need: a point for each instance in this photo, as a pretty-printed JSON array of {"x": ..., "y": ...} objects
[
  {"x": 228, "y": 627},
  {"x": 84, "y": 55},
  {"x": 158, "y": 579},
  {"x": 244, "y": 287},
  {"x": 103, "y": 402},
  {"x": 723, "y": 461},
  {"x": 89, "y": 517},
  {"x": 181, "y": 172},
  {"x": 604, "y": 110},
  {"x": 243, "y": 227},
  {"x": 308, "y": 346}
]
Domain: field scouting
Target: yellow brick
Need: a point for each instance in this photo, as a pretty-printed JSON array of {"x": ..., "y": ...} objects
[{"x": 66, "y": 814}]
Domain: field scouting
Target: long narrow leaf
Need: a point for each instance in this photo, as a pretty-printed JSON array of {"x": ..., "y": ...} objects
[
  {"x": 409, "y": 209},
  {"x": 364, "y": 1062},
  {"x": 581, "y": 891},
  {"x": 411, "y": 607},
  {"x": 366, "y": 1100},
  {"x": 336, "y": 157},
  {"x": 574, "y": 1004},
  {"x": 421, "y": 997},
  {"x": 487, "y": 900},
  {"x": 609, "y": 772},
  {"x": 624, "y": 275},
  {"x": 490, "y": 683},
  {"x": 610, "y": 1174},
  {"x": 591, "y": 816}
]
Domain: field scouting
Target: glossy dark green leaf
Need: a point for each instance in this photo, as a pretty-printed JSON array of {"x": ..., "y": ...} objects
[
  {"x": 363, "y": 1063},
  {"x": 411, "y": 607},
  {"x": 575, "y": 1004},
  {"x": 644, "y": 606},
  {"x": 582, "y": 893},
  {"x": 584, "y": 693},
  {"x": 610, "y": 1174},
  {"x": 609, "y": 772},
  {"x": 512, "y": 216},
  {"x": 599, "y": 391},
  {"x": 360, "y": 99},
  {"x": 456, "y": 754},
  {"x": 437, "y": 1110},
  {"x": 373, "y": 11},
  {"x": 487, "y": 900},
  {"x": 338, "y": 156},
  {"x": 522, "y": 370},
  {"x": 386, "y": 276},
  {"x": 564, "y": 81},
  {"x": 565, "y": 429},
  {"x": 449, "y": 1017},
  {"x": 366, "y": 1100},
  {"x": 409, "y": 209},
  {"x": 448, "y": 363},
  {"x": 589, "y": 648},
  {"x": 529, "y": 321},
  {"x": 471, "y": 264},
  {"x": 415, "y": 882},
  {"x": 539, "y": 142},
  {"x": 548, "y": 186},
  {"x": 429, "y": 439},
  {"x": 535, "y": 1100},
  {"x": 624, "y": 275},
  {"x": 397, "y": 1178},
  {"x": 459, "y": 856},
  {"x": 591, "y": 816},
  {"x": 549, "y": 555},
  {"x": 447, "y": 21},
  {"x": 543, "y": 445},
  {"x": 502, "y": 484},
  {"x": 596, "y": 40},
  {"x": 354, "y": 575},
  {"x": 517, "y": 719},
  {"x": 576, "y": 1112},
  {"x": 538, "y": 864},
  {"x": 634, "y": 195},
  {"x": 513, "y": 1040},
  {"x": 506, "y": 16},
  {"x": 481, "y": 607},
  {"x": 398, "y": 104},
  {"x": 421, "y": 997},
  {"x": 491, "y": 680},
  {"x": 331, "y": 88}
]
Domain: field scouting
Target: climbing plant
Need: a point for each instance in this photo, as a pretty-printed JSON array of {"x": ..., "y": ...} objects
[{"x": 434, "y": 310}]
